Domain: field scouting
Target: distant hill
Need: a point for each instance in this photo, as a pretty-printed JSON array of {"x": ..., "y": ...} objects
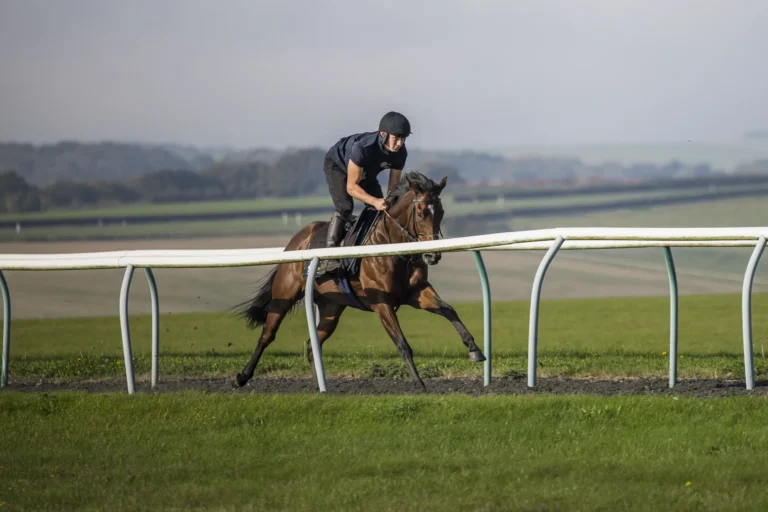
[
  {"x": 269, "y": 156},
  {"x": 44, "y": 165},
  {"x": 474, "y": 167},
  {"x": 110, "y": 161}
]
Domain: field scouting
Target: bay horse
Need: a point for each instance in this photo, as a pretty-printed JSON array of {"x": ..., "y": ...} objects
[{"x": 384, "y": 284}]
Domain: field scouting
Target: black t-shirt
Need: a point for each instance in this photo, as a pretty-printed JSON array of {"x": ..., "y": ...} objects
[{"x": 366, "y": 151}]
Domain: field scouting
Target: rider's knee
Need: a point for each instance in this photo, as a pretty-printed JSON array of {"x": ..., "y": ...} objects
[{"x": 343, "y": 215}]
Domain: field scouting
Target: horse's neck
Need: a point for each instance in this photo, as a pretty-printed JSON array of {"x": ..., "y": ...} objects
[{"x": 385, "y": 231}]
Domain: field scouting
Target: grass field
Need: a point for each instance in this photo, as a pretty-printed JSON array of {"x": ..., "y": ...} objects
[
  {"x": 201, "y": 451},
  {"x": 67, "y": 450},
  {"x": 163, "y": 230},
  {"x": 724, "y": 212},
  {"x": 748, "y": 211},
  {"x": 298, "y": 452},
  {"x": 120, "y": 212},
  {"x": 577, "y": 338},
  {"x": 197, "y": 207},
  {"x": 706, "y": 261}
]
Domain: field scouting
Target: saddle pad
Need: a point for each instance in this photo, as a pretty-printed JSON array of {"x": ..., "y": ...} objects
[{"x": 350, "y": 267}]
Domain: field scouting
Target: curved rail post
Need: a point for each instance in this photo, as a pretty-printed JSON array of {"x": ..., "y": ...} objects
[
  {"x": 746, "y": 312},
  {"x": 6, "y": 330},
  {"x": 673, "y": 323},
  {"x": 486, "y": 316},
  {"x": 309, "y": 305},
  {"x": 125, "y": 330},
  {"x": 155, "y": 323},
  {"x": 534, "y": 318}
]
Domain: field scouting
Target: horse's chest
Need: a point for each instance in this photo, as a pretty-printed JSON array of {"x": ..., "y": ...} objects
[{"x": 397, "y": 279}]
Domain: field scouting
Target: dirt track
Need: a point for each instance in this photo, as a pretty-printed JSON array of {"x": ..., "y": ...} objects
[{"x": 473, "y": 387}]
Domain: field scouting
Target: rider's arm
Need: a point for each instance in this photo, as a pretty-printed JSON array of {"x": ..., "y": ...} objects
[
  {"x": 398, "y": 164},
  {"x": 354, "y": 175},
  {"x": 394, "y": 179}
]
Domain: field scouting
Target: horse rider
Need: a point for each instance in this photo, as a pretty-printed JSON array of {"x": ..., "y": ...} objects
[{"x": 351, "y": 169}]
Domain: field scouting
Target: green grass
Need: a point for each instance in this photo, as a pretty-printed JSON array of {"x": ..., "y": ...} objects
[
  {"x": 119, "y": 212},
  {"x": 605, "y": 338},
  {"x": 198, "y": 451},
  {"x": 726, "y": 212},
  {"x": 748, "y": 211},
  {"x": 269, "y": 203},
  {"x": 493, "y": 206},
  {"x": 188, "y": 229},
  {"x": 193, "y": 451},
  {"x": 196, "y": 207}
]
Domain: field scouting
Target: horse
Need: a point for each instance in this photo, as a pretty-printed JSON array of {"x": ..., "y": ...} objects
[{"x": 383, "y": 283}]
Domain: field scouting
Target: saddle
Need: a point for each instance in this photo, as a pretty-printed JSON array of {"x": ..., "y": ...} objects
[{"x": 355, "y": 233}]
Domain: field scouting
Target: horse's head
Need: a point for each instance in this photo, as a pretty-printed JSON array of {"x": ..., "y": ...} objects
[{"x": 421, "y": 209}]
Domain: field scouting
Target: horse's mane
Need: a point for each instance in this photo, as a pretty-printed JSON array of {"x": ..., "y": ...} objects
[{"x": 412, "y": 180}]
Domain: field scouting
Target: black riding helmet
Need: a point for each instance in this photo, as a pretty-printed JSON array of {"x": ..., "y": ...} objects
[{"x": 396, "y": 124}]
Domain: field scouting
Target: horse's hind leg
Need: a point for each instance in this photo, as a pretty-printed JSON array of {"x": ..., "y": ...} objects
[
  {"x": 278, "y": 309},
  {"x": 330, "y": 313},
  {"x": 426, "y": 298},
  {"x": 389, "y": 319}
]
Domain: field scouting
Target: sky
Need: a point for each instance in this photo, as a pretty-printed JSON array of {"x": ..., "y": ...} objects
[{"x": 469, "y": 74}]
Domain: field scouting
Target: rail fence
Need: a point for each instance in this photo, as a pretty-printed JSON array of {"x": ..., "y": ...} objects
[{"x": 550, "y": 240}]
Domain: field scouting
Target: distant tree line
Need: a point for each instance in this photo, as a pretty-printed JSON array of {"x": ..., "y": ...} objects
[
  {"x": 262, "y": 171},
  {"x": 296, "y": 173},
  {"x": 72, "y": 174}
]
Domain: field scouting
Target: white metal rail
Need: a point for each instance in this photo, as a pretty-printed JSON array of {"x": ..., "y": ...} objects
[{"x": 551, "y": 240}]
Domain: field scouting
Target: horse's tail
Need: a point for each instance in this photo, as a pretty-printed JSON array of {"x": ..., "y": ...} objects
[{"x": 255, "y": 309}]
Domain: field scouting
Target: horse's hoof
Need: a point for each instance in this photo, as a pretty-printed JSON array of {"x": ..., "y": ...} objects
[
  {"x": 239, "y": 381},
  {"x": 476, "y": 356}
]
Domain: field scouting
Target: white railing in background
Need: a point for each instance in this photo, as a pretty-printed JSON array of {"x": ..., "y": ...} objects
[{"x": 551, "y": 240}]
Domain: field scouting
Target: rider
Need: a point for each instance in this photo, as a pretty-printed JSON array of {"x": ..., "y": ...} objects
[{"x": 351, "y": 169}]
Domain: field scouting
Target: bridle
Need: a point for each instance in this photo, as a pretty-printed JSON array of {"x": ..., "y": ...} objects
[{"x": 407, "y": 233}]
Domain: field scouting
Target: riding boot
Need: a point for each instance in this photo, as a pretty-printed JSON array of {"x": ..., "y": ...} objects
[{"x": 335, "y": 228}]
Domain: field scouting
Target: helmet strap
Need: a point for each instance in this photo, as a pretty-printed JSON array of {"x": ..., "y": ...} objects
[{"x": 383, "y": 140}]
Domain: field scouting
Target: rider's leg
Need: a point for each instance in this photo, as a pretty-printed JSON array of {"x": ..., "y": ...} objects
[
  {"x": 342, "y": 202},
  {"x": 335, "y": 228}
]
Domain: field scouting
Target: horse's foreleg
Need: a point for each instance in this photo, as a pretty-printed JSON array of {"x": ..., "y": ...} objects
[
  {"x": 392, "y": 326},
  {"x": 426, "y": 298}
]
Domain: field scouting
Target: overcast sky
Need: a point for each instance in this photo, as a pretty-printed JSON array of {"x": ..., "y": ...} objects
[{"x": 468, "y": 73}]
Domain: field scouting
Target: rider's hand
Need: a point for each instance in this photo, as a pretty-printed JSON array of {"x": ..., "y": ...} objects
[{"x": 380, "y": 204}]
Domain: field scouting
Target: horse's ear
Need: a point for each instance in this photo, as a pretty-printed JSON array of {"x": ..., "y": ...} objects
[{"x": 441, "y": 185}]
